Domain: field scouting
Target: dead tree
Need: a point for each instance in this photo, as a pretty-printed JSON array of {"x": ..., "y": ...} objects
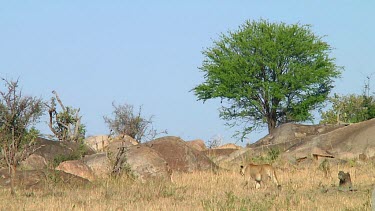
[{"x": 65, "y": 125}]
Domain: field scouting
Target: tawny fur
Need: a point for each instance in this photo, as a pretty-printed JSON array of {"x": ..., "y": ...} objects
[{"x": 259, "y": 174}]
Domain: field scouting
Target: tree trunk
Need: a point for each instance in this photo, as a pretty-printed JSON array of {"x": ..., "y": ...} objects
[
  {"x": 12, "y": 179},
  {"x": 271, "y": 124}
]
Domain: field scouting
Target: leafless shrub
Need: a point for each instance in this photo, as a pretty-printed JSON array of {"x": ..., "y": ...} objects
[
  {"x": 128, "y": 121},
  {"x": 214, "y": 141}
]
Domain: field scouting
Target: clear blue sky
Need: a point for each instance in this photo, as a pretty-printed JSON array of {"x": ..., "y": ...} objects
[{"x": 148, "y": 53}]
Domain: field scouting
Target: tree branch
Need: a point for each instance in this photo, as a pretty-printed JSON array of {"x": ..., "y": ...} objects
[{"x": 58, "y": 100}]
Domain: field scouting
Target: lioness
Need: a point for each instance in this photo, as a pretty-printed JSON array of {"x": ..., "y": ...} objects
[{"x": 259, "y": 173}]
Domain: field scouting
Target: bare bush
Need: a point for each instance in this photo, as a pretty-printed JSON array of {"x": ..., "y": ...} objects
[
  {"x": 214, "y": 142},
  {"x": 128, "y": 121}
]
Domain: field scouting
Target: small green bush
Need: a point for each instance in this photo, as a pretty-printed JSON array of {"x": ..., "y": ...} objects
[
  {"x": 325, "y": 167},
  {"x": 270, "y": 157}
]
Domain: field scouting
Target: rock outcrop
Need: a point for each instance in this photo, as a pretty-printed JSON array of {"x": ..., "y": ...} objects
[
  {"x": 197, "y": 144},
  {"x": 100, "y": 143},
  {"x": 37, "y": 179},
  {"x": 50, "y": 150},
  {"x": 78, "y": 168},
  {"x": 99, "y": 164},
  {"x": 34, "y": 162},
  {"x": 180, "y": 156},
  {"x": 140, "y": 160},
  {"x": 147, "y": 164}
]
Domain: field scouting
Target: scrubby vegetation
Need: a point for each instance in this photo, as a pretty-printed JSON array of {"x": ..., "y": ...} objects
[
  {"x": 17, "y": 114},
  {"x": 349, "y": 109},
  {"x": 270, "y": 157},
  {"x": 302, "y": 189},
  {"x": 65, "y": 124}
]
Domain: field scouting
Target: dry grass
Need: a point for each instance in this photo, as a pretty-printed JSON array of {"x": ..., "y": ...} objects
[{"x": 303, "y": 189}]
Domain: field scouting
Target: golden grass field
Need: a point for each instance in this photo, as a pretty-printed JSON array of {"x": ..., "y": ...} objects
[{"x": 302, "y": 189}]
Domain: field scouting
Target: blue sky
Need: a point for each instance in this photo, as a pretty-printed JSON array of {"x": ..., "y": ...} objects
[{"x": 148, "y": 53}]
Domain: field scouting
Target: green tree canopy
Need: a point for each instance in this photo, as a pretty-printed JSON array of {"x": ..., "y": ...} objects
[{"x": 267, "y": 73}]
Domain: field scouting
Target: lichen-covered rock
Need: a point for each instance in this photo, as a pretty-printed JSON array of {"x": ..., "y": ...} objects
[
  {"x": 39, "y": 179},
  {"x": 180, "y": 156},
  {"x": 101, "y": 143},
  {"x": 34, "y": 162},
  {"x": 99, "y": 163},
  {"x": 146, "y": 163},
  {"x": 78, "y": 168},
  {"x": 139, "y": 160},
  {"x": 197, "y": 144}
]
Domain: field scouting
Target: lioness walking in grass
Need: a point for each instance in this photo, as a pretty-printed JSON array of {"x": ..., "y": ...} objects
[{"x": 259, "y": 173}]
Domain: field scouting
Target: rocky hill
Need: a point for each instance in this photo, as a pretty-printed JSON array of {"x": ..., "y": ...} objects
[
  {"x": 296, "y": 142},
  {"x": 344, "y": 142}
]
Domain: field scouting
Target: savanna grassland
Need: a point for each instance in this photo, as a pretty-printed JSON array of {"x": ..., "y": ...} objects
[{"x": 302, "y": 189}]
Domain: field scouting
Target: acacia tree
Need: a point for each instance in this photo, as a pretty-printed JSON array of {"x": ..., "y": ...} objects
[
  {"x": 17, "y": 114},
  {"x": 267, "y": 73}
]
